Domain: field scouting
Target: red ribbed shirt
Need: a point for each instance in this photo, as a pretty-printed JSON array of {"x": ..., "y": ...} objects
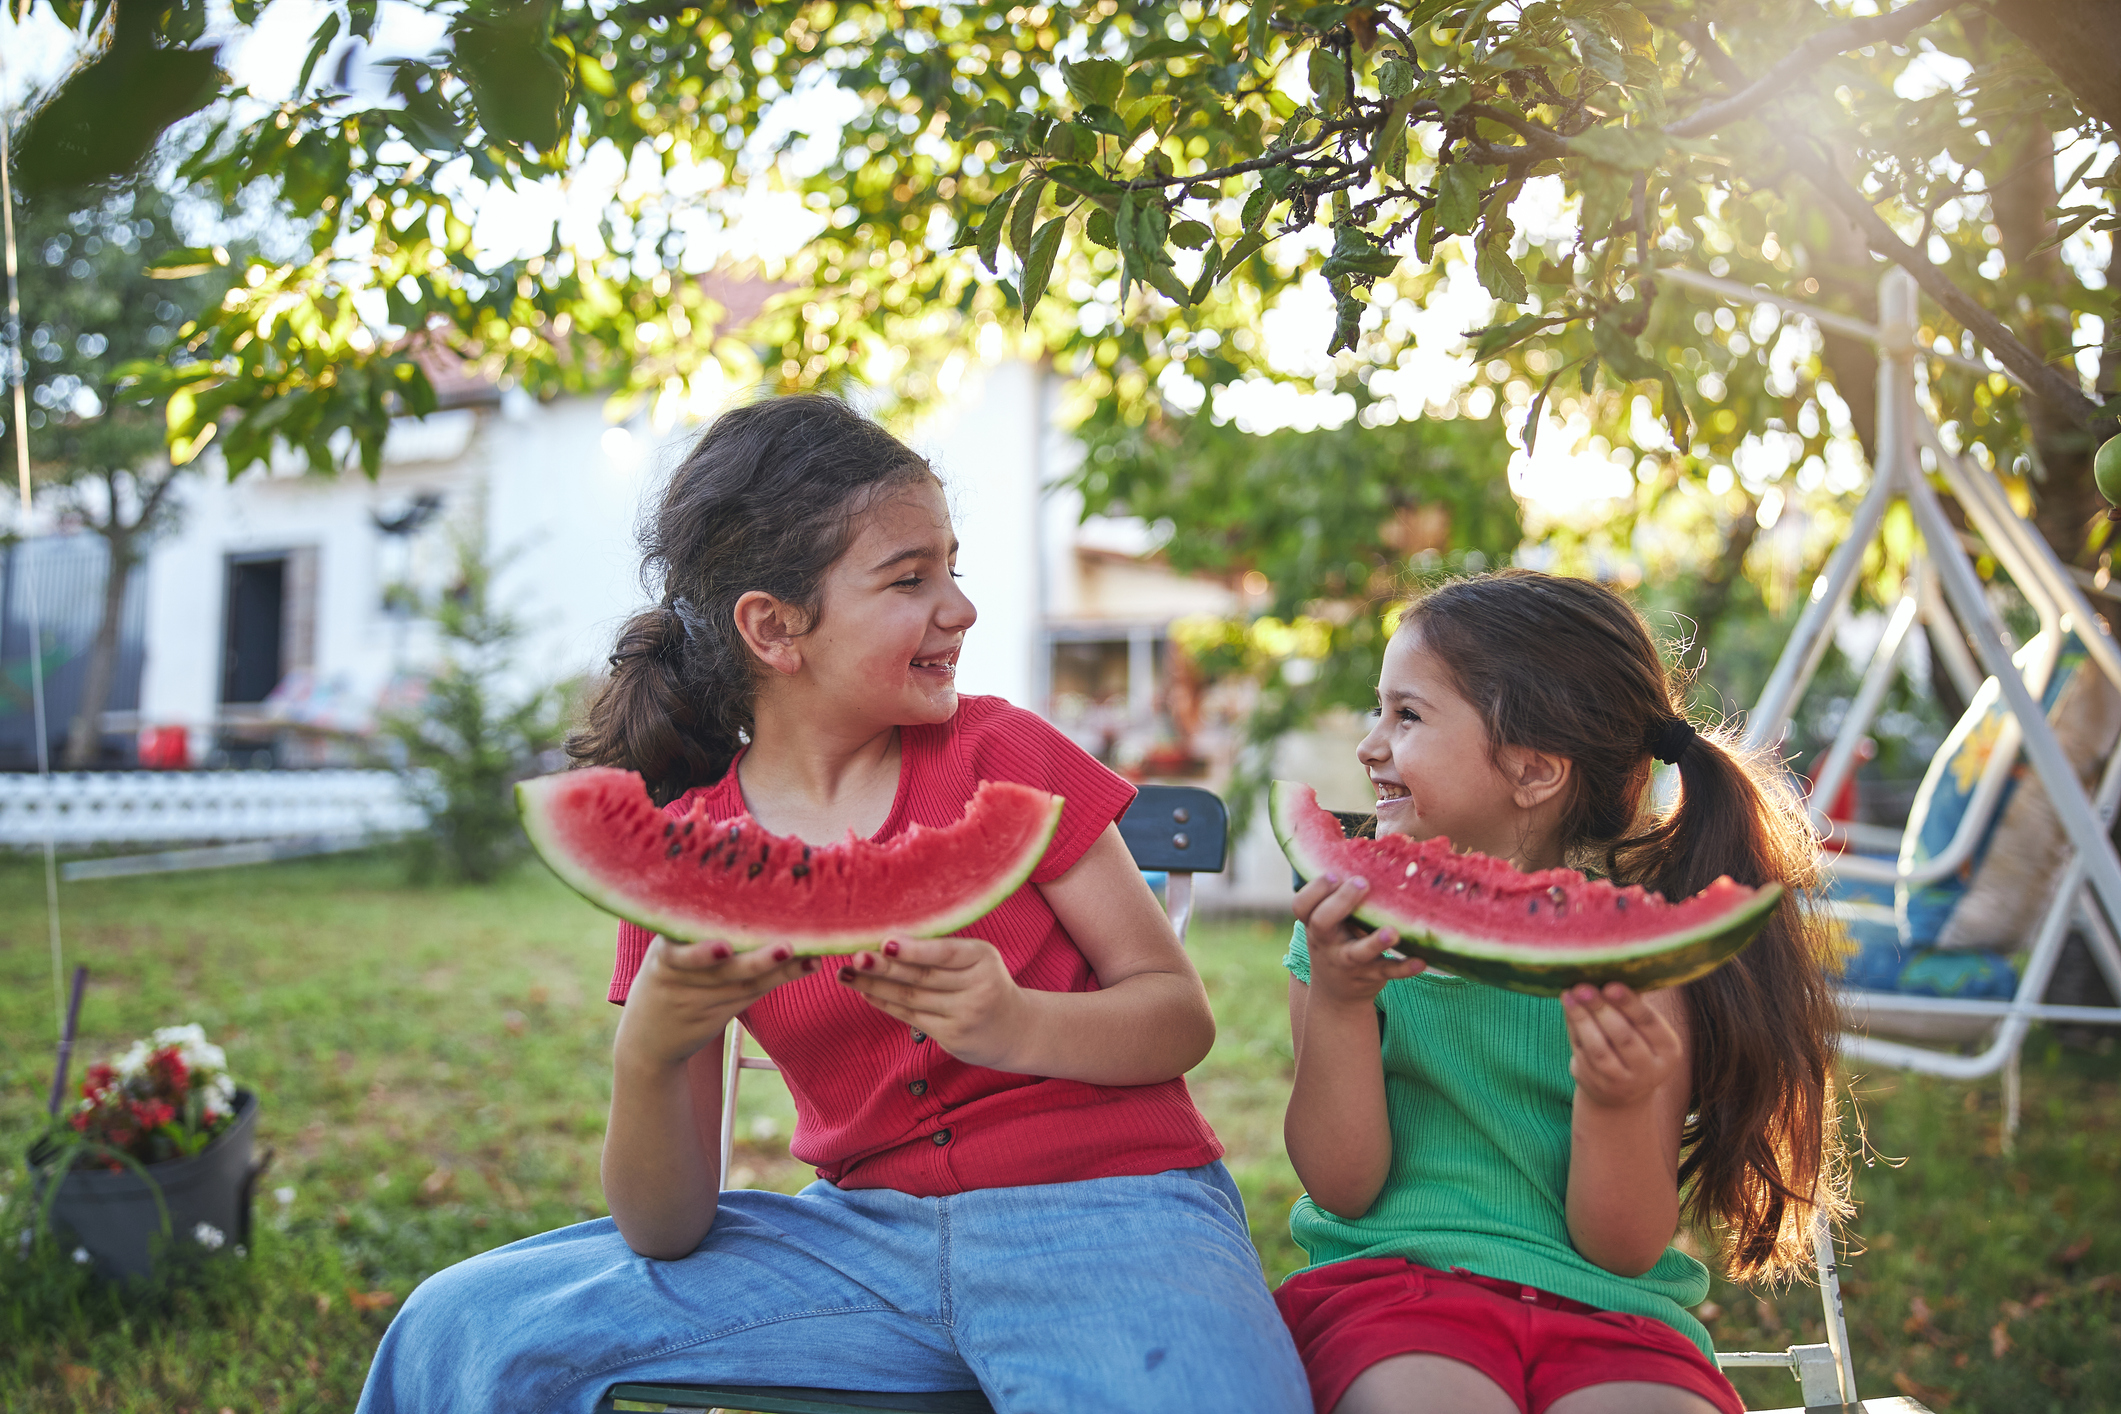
[{"x": 876, "y": 1107}]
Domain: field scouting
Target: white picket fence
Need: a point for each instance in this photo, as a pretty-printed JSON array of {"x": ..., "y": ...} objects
[{"x": 143, "y": 807}]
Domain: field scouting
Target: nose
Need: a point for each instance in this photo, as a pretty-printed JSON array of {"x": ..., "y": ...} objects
[
  {"x": 955, "y": 613},
  {"x": 1372, "y": 749}
]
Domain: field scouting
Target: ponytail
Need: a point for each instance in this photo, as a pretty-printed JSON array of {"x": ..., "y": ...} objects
[
  {"x": 1567, "y": 666},
  {"x": 766, "y": 500},
  {"x": 1761, "y": 1149}
]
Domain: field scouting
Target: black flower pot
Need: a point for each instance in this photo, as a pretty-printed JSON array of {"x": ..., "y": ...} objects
[{"x": 115, "y": 1217}]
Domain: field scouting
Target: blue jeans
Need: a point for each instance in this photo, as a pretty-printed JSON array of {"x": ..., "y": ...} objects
[{"x": 1103, "y": 1296}]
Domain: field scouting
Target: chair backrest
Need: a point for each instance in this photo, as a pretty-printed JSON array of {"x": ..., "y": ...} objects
[
  {"x": 1181, "y": 829},
  {"x": 1177, "y": 831}
]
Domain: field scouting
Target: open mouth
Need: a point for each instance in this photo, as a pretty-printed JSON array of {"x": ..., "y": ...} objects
[
  {"x": 944, "y": 664},
  {"x": 1389, "y": 792}
]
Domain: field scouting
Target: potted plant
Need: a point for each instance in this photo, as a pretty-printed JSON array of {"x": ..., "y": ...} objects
[{"x": 159, "y": 1147}]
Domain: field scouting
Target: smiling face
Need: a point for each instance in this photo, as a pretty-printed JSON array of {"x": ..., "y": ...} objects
[
  {"x": 893, "y": 620},
  {"x": 1435, "y": 773}
]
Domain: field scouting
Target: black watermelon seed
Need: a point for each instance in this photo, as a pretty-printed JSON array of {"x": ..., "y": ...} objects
[
  {"x": 677, "y": 847},
  {"x": 669, "y": 828},
  {"x": 1531, "y": 905},
  {"x": 706, "y": 856},
  {"x": 729, "y": 860},
  {"x": 765, "y": 852},
  {"x": 801, "y": 870},
  {"x": 689, "y": 824},
  {"x": 1621, "y": 903},
  {"x": 806, "y": 854},
  {"x": 754, "y": 871}
]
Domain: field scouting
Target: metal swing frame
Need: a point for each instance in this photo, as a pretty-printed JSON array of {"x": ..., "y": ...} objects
[{"x": 1946, "y": 593}]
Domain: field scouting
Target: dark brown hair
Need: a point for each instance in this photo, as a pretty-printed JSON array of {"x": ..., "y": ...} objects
[
  {"x": 1567, "y": 666},
  {"x": 766, "y": 500}
]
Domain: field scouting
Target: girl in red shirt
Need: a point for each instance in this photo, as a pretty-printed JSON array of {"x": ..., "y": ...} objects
[{"x": 1015, "y": 1191}]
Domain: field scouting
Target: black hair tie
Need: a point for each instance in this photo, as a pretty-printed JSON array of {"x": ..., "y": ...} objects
[{"x": 1670, "y": 738}]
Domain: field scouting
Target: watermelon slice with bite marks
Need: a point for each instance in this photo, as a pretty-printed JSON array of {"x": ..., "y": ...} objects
[
  {"x": 690, "y": 877},
  {"x": 1541, "y": 933}
]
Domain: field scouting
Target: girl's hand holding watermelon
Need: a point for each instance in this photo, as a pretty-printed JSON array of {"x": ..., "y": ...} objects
[
  {"x": 687, "y": 993},
  {"x": 1349, "y": 967},
  {"x": 1624, "y": 1050},
  {"x": 956, "y": 991}
]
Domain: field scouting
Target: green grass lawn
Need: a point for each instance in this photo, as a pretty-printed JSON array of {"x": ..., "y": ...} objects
[{"x": 434, "y": 1070}]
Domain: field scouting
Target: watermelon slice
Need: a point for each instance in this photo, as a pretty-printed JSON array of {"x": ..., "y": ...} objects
[
  {"x": 1540, "y": 933},
  {"x": 690, "y": 877}
]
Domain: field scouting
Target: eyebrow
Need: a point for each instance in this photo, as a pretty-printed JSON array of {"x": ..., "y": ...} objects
[
  {"x": 1400, "y": 695},
  {"x": 911, "y": 552}
]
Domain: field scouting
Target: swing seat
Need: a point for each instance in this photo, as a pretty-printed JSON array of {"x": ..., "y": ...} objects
[
  {"x": 1172, "y": 832},
  {"x": 1915, "y": 969}
]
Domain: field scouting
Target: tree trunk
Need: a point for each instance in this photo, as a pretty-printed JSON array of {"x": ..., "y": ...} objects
[
  {"x": 2080, "y": 40},
  {"x": 84, "y": 738}
]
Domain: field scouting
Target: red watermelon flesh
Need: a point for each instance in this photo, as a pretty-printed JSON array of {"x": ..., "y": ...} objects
[
  {"x": 1542, "y": 932},
  {"x": 691, "y": 877}
]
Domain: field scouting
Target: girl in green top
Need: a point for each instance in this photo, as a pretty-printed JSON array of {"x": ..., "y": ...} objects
[{"x": 1494, "y": 1180}]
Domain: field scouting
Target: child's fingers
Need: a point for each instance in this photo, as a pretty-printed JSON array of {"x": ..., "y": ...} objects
[
  {"x": 929, "y": 952},
  {"x": 1313, "y": 893},
  {"x": 1334, "y": 910},
  {"x": 715, "y": 963},
  {"x": 1586, "y": 1036}
]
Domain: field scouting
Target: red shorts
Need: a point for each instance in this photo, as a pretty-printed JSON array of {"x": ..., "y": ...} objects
[{"x": 1347, "y": 1316}]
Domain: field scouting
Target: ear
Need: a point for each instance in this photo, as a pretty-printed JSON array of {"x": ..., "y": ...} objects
[
  {"x": 1535, "y": 777},
  {"x": 772, "y": 630}
]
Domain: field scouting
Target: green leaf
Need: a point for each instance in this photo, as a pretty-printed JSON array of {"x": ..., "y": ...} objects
[
  {"x": 1099, "y": 229},
  {"x": 520, "y": 82},
  {"x": 1258, "y": 33},
  {"x": 1617, "y": 347},
  {"x": 1163, "y": 47},
  {"x": 1600, "y": 54},
  {"x": 1070, "y": 142},
  {"x": 321, "y": 39},
  {"x": 1210, "y": 267},
  {"x": 1495, "y": 338},
  {"x": 1247, "y": 246},
  {"x": 1103, "y": 190},
  {"x": 1627, "y": 148},
  {"x": 1389, "y": 156},
  {"x": 1498, "y": 273},
  {"x": 1191, "y": 235},
  {"x": 1038, "y": 261},
  {"x": 1329, "y": 80},
  {"x": 1425, "y": 236},
  {"x": 1024, "y": 215},
  {"x": 1458, "y": 192},
  {"x": 1355, "y": 254},
  {"x": 182, "y": 264},
  {"x": 1395, "y": 78},
  {"x": 989, "y": 239},
  {"x": 1094, "y": 80}
]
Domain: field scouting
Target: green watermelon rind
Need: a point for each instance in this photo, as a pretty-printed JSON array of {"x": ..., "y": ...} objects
[
  {"x": 1645, "y": 964},
  {"x": 533, "y": 807}
]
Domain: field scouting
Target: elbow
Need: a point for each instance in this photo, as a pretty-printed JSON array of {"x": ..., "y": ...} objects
[{"x": 1627, "y": 1258}]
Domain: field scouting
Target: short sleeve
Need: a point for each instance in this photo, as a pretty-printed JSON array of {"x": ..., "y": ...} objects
[
  {"x": 1298, "y": 958},
  {"x": 633, "y": 948},
  {"x": 1009, "y": 744}
]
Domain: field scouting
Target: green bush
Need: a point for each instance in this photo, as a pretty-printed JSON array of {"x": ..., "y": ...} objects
[{"x": 471, "y": 738}]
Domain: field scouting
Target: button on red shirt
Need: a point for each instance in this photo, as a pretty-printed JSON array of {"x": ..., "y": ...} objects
[{"x": 880, "y": 1106}]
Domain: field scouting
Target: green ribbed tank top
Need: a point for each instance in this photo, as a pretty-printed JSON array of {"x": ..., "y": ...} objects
[{"x": 1479, "y": 1094}]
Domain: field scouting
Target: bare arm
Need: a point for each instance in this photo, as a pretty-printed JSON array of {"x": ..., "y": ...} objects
[
  {"x": 1338, "y": 1132},
  {"x": 660, "y": 1169},
  {"x": 1633, "y": 1079},
  {"x": 1148, "y": 1021}
]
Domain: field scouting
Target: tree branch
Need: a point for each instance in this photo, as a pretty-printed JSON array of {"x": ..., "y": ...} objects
[
  {"x": 1805, "y": 59},
  {"x": 2046, "y": 383}
]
